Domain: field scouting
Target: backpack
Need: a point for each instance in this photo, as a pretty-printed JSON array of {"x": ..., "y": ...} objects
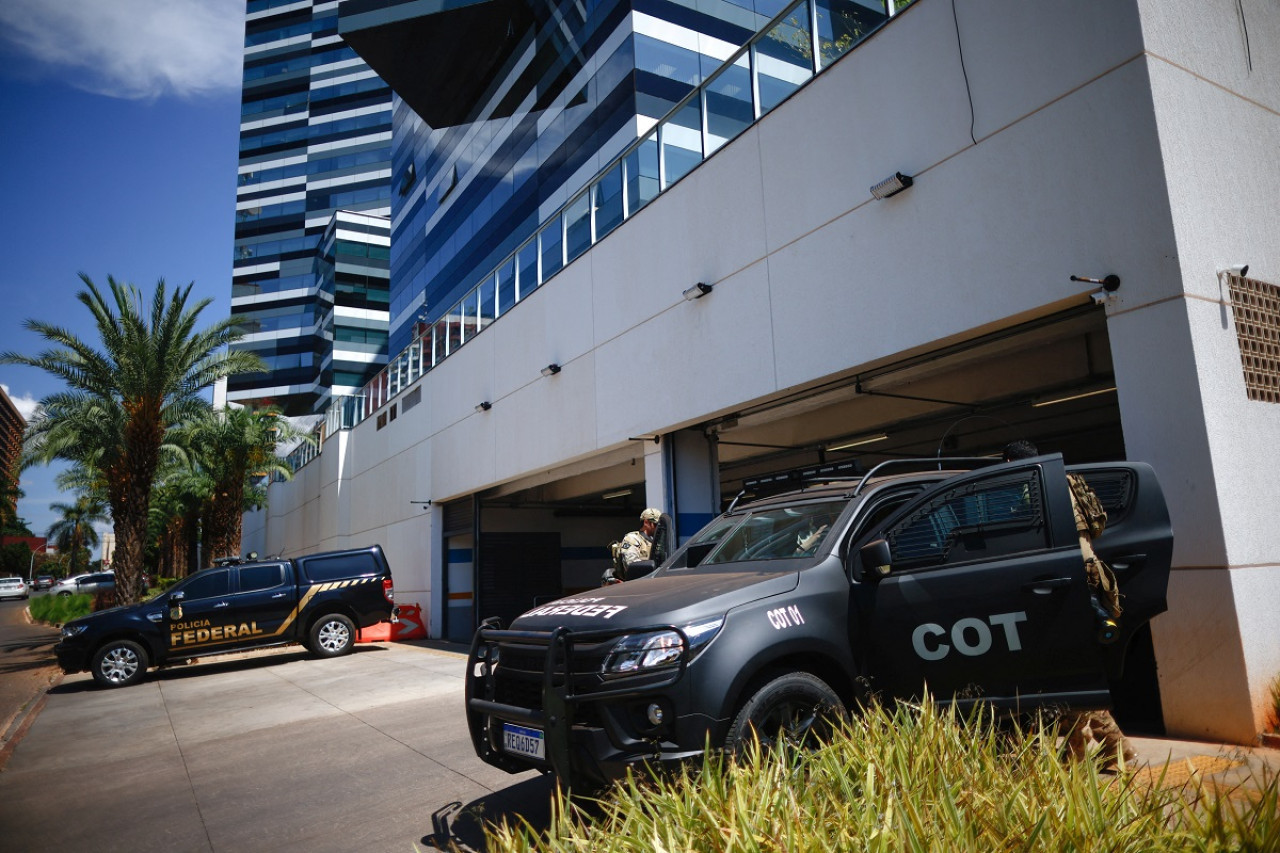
[{"x": 1087, "y": 505}]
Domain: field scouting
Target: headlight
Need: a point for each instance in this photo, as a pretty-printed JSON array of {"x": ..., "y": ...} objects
[
  {"x": 69, "y": 631},
  {"x": 636, "y": 652}
]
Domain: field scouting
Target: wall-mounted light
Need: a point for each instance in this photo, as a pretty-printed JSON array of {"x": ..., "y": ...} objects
[
  {"x": 484, "y": 407},
  {"x": 621, "y": 493},
  {"x": 698, "y": 291},
  {"x": 1073, "y": 394},
  {"x": 551, "y": 369},
  {"x": 1235, "y": 269},
  {"x": 858, "y": 442},
  {"x": 892, "y": 185}
]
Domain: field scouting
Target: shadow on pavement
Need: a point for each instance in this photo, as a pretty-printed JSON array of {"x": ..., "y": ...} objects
[
  {"x": 459, "y": 827},
  {"x": 200, "y": 666}
]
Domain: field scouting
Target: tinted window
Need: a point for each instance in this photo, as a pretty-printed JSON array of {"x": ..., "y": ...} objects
[
  {"x": 342, "y": 566},
  {"x": 979, "y": 520},
  {"x": 254, "y": 578},
  {"x": 209, "y": 583}
]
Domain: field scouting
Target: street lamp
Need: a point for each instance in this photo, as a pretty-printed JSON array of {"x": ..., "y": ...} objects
[{"x": 31, "y": 566}]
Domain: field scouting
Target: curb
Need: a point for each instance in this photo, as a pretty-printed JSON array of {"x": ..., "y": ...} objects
[{"x": 21, "y": 723}]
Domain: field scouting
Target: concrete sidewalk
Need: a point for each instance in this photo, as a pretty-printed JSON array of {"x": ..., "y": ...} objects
[
  {"x": 267, "y": 750},
  {"x": 275, "y": 750}
]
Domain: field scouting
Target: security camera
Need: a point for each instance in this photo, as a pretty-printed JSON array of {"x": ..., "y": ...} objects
[{"x": 1237, "y": 269}]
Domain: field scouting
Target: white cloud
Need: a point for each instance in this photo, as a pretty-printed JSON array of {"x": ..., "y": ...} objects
[
  {"x": 135, "y": 49},
  {"x": 26, "y": 406}
]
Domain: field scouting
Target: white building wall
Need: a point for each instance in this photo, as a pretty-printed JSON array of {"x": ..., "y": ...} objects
[{"x": 1093, "y": 156}]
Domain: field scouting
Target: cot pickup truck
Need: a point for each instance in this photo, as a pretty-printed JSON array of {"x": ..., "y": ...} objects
[{"x": 960, "y": 576}]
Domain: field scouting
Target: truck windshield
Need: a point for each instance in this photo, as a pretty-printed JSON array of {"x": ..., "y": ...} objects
[{"x": 777, "y": 533}]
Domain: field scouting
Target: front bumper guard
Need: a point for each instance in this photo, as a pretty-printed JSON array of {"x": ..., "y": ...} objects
[{"x": 556, "y": 717}]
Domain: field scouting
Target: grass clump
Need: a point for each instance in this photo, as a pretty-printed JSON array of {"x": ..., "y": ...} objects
[
  {"x": 911, "y": 779},
  {"x": 59, "y": 609}
]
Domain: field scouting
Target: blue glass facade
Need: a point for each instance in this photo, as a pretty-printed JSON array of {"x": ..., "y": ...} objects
[
  {"x": 315, "y": 139},
  {"x": 584, "y": 81}
]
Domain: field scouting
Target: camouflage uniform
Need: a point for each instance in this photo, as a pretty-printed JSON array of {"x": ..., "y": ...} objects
[
  {"x": 635, "y": 546},
  {"x": 1083, "y": 727}
]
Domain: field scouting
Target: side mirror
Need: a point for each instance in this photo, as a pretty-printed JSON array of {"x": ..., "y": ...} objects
[
  {"x": 175, "y": 604},
  {"x": 639, "y": 568},
  {"x": 875, "y": 559}
]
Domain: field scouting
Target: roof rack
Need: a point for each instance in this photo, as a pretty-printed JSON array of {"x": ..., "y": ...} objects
[
  {"x": 783, "y": 481},
  {"x": 928, "y": 463}
]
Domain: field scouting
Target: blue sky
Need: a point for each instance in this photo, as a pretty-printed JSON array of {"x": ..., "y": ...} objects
[{"x": 118, "y": 156}]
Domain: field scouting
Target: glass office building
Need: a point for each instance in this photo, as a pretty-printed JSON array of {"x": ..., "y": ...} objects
[
  {"x": 315, "y": 139},
  {"x": 506, "y": 109}
]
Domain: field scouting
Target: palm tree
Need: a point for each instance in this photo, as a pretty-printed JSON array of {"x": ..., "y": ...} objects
[
  {"x": 233, "y": 446},
  {"x": 121, "y": 400},
  {"x": 10, "y": 494},
  {"x": 74, "y": 531}
]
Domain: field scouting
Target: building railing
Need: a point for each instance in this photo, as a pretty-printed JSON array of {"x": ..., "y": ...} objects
[{"x": 774, "y": 64}]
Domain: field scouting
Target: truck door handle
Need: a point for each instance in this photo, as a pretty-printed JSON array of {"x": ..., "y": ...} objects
[
  {"x": 220, "y": 604},
  {"x": 1128, "y": 561},
  {"x": 280, "y": 595},
  {"x": 1046, "y": 586}
]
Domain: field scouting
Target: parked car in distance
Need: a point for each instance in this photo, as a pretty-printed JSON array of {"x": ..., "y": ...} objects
[
  {"x": 13, "y": 588},
  {"x": 43, "y": 582},
  {"x": 90, "y": 583}
]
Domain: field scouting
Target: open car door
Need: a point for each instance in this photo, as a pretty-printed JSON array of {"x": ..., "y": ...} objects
[{"x": 976, "y": 591}]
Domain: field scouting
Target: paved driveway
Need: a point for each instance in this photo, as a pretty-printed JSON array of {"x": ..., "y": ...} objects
[{"x": 266, "y": 751}]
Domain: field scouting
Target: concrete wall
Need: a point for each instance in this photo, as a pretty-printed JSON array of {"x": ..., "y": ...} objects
[{"x": 1085, "y": 153}]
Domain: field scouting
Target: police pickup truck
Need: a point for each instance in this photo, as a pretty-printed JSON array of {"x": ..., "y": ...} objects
[
  {"x": 319, "y": 600},
  {"x": 962, "y": 575}
]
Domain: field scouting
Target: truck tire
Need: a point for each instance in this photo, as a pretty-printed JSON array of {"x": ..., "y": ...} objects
[
  {"x": 797, "y": 708},
  {"x": 333, "y": 635},
  {"x": 119, "y": 663}
]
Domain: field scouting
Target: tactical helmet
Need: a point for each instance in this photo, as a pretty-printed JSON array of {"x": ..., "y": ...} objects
[{"x": 651, "y": 514}]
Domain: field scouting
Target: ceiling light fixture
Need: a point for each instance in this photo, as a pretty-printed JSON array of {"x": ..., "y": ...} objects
[
  {"x": 892, "y": 185},
  {"x": 698, "y": 291},
  {"x": 858, "y": 442},
  {"x": 1067, "y": 396},
  {"x": 551, "y": 369},
  {"x": 621, "y": 493}
]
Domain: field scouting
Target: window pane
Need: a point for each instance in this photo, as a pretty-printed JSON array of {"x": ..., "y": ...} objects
[
  {"x": 209, "y": 583},
  {"x": 681, "y": 137},
  {"x": 844, "y": 23},
  {"x": 527, "y": 264},
  {"x": 577, "y": 219},
  {"x": 485, "y": 301},
  {"x": 975, "y": 521},
  {"x": 729, "y": 104},
  {"x": 254, "y": 578},
  {"x": 552, "y": 249},
  {"x": 784, "y": 58},
  {"x": 642, "y": 174},
  {"x": 608, "y": 201},
  {"x": 506, "y": 287}
]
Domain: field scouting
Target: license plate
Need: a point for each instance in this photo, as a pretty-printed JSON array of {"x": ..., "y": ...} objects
[{"x": 519, "y": 740}]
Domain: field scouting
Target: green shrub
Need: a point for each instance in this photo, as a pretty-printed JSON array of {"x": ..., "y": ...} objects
[
  {"x": 59, "y": 609},
  {"x": 915, "y": 779}
]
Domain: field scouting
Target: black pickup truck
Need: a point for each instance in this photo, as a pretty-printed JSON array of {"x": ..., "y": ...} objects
[
  {"x": 792, "y": 607},
  {"x": 319, "y": 600}
]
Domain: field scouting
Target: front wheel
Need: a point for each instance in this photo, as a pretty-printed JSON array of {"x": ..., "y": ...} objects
[
  {"x": 332, "y": 635},
  {"x": 119, "y": 663},
  {"x": 797, "y": 708}
]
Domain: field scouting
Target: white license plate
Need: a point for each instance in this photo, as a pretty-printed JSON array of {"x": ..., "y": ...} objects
[{"x": 519, "y": 740}]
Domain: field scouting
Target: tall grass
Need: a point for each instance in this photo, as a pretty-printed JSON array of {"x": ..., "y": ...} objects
[
  {"x": 59, "y": 609},
  {"x": 914, "y": 779}
]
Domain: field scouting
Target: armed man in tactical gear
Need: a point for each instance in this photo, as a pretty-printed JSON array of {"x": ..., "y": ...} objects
[{"x": 643, "y": 544}]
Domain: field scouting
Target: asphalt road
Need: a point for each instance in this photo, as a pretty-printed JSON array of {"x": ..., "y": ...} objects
[
  {"x": 270, "y": 750},
  {"x": 27, "y": 668}
]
